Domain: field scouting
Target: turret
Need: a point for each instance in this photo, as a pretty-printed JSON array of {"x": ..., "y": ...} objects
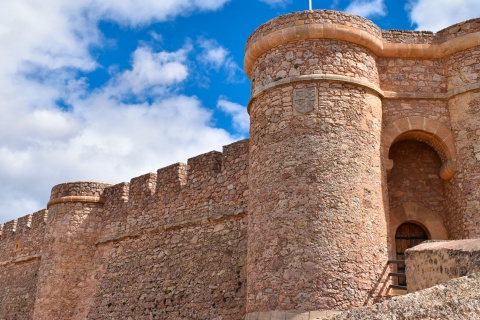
[
  {"x": 317, "y": 226},
  {"x": 67, "y": 281}
]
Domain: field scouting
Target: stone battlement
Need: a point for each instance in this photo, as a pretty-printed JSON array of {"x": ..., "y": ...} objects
[
  {"x": 325, "y": 24},
  {"x": 199, "y": 171},
  {"x": 317, "y": 17},
  {"x": 199, "y": 183},
  {"x": 23, "y": 225},
  {"x": 201, "y": 180},
  {"x": 21, "y": 240}
]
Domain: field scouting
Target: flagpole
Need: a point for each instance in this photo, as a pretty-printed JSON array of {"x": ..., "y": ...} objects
[{"x": 310, "y": 4}]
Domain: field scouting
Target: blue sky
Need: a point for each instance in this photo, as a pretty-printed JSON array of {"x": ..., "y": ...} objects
[{"x": 109, "y": 90}]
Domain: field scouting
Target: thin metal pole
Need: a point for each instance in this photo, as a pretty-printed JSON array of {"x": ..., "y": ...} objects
[{"x": 310, "y": 4}]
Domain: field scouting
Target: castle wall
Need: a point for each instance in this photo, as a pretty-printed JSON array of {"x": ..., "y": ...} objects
[
  {"x": 432, "y": 263},
  {"x": 412, "y": 75},
  {"x": 161, "y": 234},
  {"x": 194, "y": 272},
  {"x": 396, "y": 109},
  {"x": 173, "y": 244},
  {"x": 465, "y": 111},
  {"x": 19, "y": 284},
  {"x": 464, "y": 73},
  {"x": 208, "y": 185},
  {"x": 440, "y": 89},
  {"x": 21, "y": 243}
]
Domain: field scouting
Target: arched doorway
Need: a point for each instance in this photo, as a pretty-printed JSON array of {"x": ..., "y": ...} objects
[{"x": 408, "y": 235}]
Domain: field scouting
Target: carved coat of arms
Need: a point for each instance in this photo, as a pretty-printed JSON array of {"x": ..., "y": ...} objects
[{"x": 305, "y": 100}]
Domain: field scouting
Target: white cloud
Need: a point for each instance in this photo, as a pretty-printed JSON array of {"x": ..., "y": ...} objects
[
  {"x": 134, "y": 124},
  {"x": 134, "y": 12},
  {"x": 276, "y": 3},
  {"x": 212, "y": 53},
  {"x": 367, "y": 8},
  {"x": 434, "y": 15},
  {"x": 152, "y": 70},
  {"x": 215, "y": 56},
  {"x": 240, "y": 117}
]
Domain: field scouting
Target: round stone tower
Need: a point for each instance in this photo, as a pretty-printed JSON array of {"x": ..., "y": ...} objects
[
  {"x": 317, "y": 225},
  {"x": 67, "y": 280}
]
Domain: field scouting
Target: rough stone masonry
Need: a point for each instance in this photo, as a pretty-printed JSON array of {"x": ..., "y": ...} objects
[{"x": 363, "y": 143}]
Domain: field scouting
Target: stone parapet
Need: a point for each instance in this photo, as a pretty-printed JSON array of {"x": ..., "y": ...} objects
[
  {"x": 316, "y": 17},
  {"x": 211, "y": 184},
  {"x": 200, "y": 173},
  {"x": 408, "y": 36},
  {"x": 431, "y": 263},
  {"x": 21, "y": 246},
  {"x": 78, "y": 188},
  {"x": 324, "y": 24},
  {"x": 23, "y": 236}
]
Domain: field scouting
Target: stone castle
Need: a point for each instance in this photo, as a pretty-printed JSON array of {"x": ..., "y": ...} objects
[{"x": 363, "y": 143}]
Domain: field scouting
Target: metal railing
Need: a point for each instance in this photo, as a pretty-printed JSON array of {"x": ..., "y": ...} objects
[{"x": 397, "y": 274}]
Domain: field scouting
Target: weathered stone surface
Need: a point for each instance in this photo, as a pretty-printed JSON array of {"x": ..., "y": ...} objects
[
  {"x": 20, "y": 258},
  {"x": 456, "y": 299},
  {"x": 317, "y": 183},
  {"x": 432, "y": 263}
]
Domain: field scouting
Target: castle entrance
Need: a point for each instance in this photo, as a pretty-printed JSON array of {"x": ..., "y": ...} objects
[
  {"x": 417, "y": 198},
  {"x": 408, "y": 235}
]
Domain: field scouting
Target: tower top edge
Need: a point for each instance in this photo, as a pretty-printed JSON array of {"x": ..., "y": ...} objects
[
  {"x": 327, "y": 24},
  {"x": 312, "y": 17}
]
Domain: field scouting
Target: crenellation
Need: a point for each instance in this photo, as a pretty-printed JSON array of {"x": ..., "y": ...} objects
[
  {"x": 204, "y": 166},
  {"x": 234, "y": 153},
  {"x": 171, "y": 177},
  {"x": 20, "y": 257},
  {"x": 29, "y": 228},
  {"x": 24, "y": 224},
  {"x": 142, "y": 187},
  {"x": 211, "y": 185},
  {"x": 9, "y": 229},
  {"x": 114, "y": 219},
  {"x": 39, "y": 218},
  {"x": 116, "y": 194}
]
